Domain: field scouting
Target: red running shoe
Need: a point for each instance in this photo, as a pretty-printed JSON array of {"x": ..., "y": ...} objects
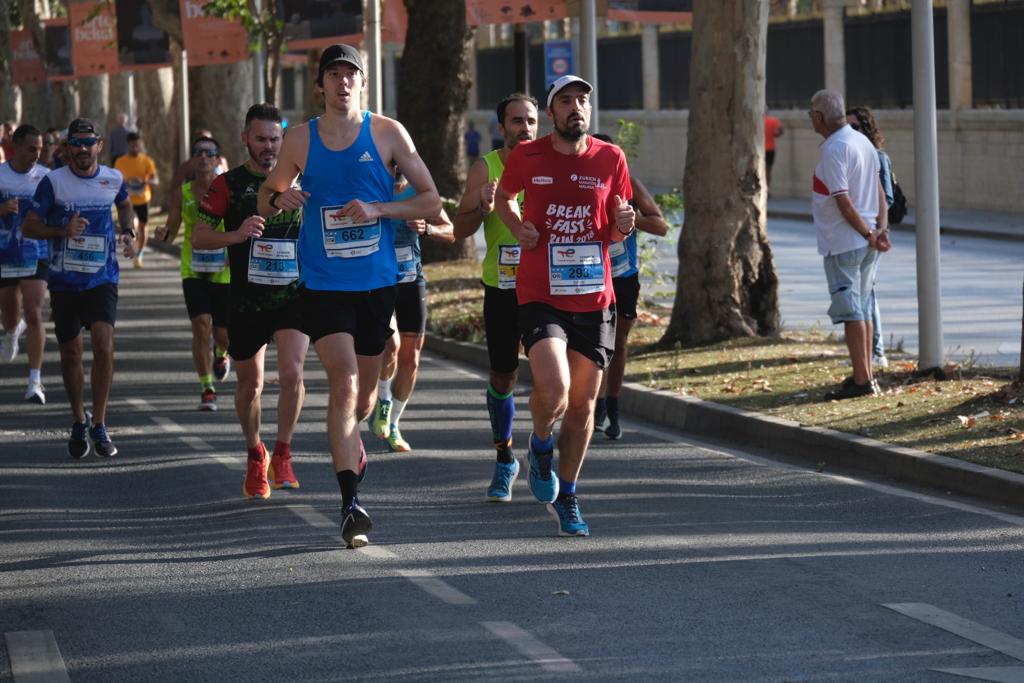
[
  {"x": 256, "y": 485},
  {"x": 281, "y": 474}
]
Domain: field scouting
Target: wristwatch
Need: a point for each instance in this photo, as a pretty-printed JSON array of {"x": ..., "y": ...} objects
[{"x": 130, "y": 232}]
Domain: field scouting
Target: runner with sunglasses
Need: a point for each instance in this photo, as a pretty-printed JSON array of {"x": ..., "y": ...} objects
[{"x": 71, "y": 208}]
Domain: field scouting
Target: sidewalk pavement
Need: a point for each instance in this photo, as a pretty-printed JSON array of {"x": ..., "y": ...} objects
[{"x": 991, "y": 225}]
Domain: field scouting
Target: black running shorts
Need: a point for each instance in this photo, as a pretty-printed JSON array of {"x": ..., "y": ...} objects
[
  {"x": 42, "y": 270},
  {"x": 364, "y": 315},
  {"x": 141, "y": 212},
  {"x": 501, "y": 325},
  {"x": 411, "y": 307},
  {"x": 250, "y": 332},
  {"x": 74, "y": 310},
  {"x": 627, "y": 293},
  {"x": 591, "y": 334},
  {"x": 203, "y": 297}
]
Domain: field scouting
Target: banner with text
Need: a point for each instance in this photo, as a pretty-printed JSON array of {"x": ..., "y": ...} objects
[
  {"x": 140, "y": 44},
  {"x": 211, "y": 40},
  {"x": 93, "y": 39},
  {"x": 651, "y": 11},
  {"x": 57, "y": 35},
  {"x": 313, "y": 24},
  {"x": 27, "y": 67},
  {"x": 395, "y": 22},
  {"x": 483, "y": 12}
]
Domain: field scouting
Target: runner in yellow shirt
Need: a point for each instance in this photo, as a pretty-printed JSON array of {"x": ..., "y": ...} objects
[{"x": 140, "y": 176}]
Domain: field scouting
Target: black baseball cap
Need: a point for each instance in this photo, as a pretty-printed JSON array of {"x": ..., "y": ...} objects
[
  {"x": 82, "y": 127},
  {"x": 339, "y": 52}
]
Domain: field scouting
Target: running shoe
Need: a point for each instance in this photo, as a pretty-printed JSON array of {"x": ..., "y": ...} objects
[
  {"x": 543, "y": 484},
  {"x": 362, "y": 462},
  {"x": 78, "y": 444},
  {"x": 9, "y": 342},
  {"x": 355, "y": 524},
  {"x": 35, "y": 393},
  {"x": 208, "y": 400},
  {"x": 505, "y": 473},
  {"x": 138, "y": 262},
  {"x": 600, "y": 416},
  {"x": 395, "y": 441},
  {"x": 566, "y": 509},
  {"x": 101, "y": 442},
  {"x": 380, "y": 421},
  {"x": 613, "y": 431},
  {"x": 256, "y": 485},
  {"x": 221, "y": 366},
  {"x": 281, "y": 474}
]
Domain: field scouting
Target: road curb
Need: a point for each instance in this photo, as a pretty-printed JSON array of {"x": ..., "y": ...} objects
[
  {"x": 816, "y": 445},
  {"x": 1004, "y": 235}
]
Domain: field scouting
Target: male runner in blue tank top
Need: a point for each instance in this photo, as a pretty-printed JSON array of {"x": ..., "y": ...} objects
[{"x": 347, "y": 159}]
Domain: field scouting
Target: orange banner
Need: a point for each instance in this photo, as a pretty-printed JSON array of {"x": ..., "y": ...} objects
[
  {"x": 651, "y": 11},
  {"x": 27, "y": 67},
  {"x": 396, "y": 22},
  {"x": 211, "y": 40},
  {"x": 482, "y": 12},
  {"x": 93, "y": 39}
]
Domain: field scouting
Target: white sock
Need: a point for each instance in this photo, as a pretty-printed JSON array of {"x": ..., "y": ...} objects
[
  {"x": 384, "y": 389},
  {"x": 397, "y": 407},
  {"x": 34, "y": 376}
]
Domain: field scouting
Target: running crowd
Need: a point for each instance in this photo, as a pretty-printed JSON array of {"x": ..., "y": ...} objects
[{"x": 315, "y": 240}]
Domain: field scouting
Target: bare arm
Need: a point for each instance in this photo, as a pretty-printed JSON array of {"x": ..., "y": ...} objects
[
  {"x": 473, "y": 207},
  {"x": 169, "y": 231},
  {"x": 34, "y": 227},
  {"x": 125, "y": 221},
  {"x": 882, "y": 224},
  {"x": 439, "y": 228},
  {"x": 649, "y": 218},
  {"x": 853, "y": 218},
  {"x": 427, "y": 202},
  {"x": 289, "y": 165},
  {"x": 507, "y": 207}
]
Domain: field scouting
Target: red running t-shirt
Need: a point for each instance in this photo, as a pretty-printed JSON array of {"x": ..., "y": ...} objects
[{"x": 571, "y": 202}]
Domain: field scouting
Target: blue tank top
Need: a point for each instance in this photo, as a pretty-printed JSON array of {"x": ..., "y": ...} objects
[
  {"x": 337, "y": 254},
  {"x": 407, "y": 246},
  {"x": 624, "y": 258}
]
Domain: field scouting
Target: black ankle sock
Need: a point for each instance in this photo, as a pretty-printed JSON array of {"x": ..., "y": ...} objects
[
  {"x": 347, "y": 480},
  {"x": 505, "y": 452},
  {"x": 612, "y": 402}
]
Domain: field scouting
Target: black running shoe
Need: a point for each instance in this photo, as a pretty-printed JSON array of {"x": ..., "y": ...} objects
[
  {"x": 355, "y": 524},
  {"x": 78, "y": 444},
  {"x": 101, "y": 443},
  {"x": 850, "y": 389},
  {"x": 613, "y": 430}
]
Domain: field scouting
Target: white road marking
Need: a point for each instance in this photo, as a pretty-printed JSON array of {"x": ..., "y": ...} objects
[
  {"x": 536, "y": 651},
  {"x": 141, "y": 404},
  {"x": 314, "y": 517},
  {"x": 195, "y": 443},
  {"x": 437, "y": 587},
  {"x": 377, "y": 552},
  {"x": 232, "y": 463},
  {"x": 965, "y": 628},
  {"x": 998, "y": 674},
  {"x": 35, "y": 657},
  {"x": 167, "y": 424}
]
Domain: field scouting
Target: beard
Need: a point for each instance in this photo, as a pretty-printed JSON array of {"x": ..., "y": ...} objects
[
  {"x": 83, "y": 162},
  {"x": 266, "y": 159},
  {"x": 571, "y": 132}
]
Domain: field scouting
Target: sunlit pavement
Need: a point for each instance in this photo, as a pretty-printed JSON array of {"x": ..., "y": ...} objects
[{"x": 704, "y": 564}]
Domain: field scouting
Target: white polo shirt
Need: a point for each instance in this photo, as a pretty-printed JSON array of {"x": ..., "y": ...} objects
[{"x": 848, "y": 165}]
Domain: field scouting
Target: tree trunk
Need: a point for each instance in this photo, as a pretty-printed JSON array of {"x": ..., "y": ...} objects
[
  {"x": 8, "y": 93},
  {"x": 437, "y": 50},
  {"x": 727, "y": 285},
  {"x": 93, "y": 93},
  {"x": 220, "y": 95},
  {"x": 117, "y": 99},
  {"x": 158, "y": 120}
]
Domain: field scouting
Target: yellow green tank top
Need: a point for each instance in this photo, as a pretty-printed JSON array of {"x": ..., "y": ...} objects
[
  {"x": 211, "y": 264},
  {"x": 501, "y": 260}
]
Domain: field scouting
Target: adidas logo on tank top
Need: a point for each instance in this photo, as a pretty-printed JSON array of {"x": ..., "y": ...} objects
[{"x": 366, "y": 157}]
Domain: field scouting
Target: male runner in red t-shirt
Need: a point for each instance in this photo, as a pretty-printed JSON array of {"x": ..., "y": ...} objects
[{"x": 576, "y": 202}]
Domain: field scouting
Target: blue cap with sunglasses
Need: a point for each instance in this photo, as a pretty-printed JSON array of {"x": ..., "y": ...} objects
[{"x": 82, "y": 133}]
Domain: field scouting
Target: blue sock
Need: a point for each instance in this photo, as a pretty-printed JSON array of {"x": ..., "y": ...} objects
[
  {"x": 612, "y": 402},
  {"x": 547, "y": 446},
  {"x": 502, "y": 409},
  {"x": 566, "y": 488}
]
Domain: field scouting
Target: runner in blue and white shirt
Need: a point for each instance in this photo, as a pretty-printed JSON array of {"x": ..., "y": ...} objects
[
  {"x": 22, "y": 260},
  {"x": 71, "y": 208}
]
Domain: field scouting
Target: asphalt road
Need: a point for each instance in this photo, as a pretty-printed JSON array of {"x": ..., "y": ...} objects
[{"x": 705, "y": 564}]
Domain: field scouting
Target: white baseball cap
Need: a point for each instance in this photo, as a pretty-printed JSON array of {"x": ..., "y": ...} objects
[{"x": 564, "y": 82}]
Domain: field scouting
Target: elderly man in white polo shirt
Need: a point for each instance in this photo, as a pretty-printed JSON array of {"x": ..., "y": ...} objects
[{"x": 852, "y": 224}]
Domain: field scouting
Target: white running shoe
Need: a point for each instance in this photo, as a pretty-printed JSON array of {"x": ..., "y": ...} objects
[{"x": 35, "y": 393}]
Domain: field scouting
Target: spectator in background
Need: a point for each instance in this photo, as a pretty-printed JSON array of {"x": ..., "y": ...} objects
[
  {"x": 472, "y": 138},
  {"x": 6, "y": 142},
  {"x": 118, "y": 138},
  {"x": 850, "y": 215},
  {"x": 772, "y": 129},
  {"x": 863, "y": 121},
  {"x": 139, "y": 171},
  {"x": 50, "y": 158}
]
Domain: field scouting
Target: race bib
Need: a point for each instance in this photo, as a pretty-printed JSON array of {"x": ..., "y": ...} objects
[
  {"x": 619, "y": 257},
  {"x": 209, "y": 260},
  {"x": 19, "y": 269},
  {"x": 508, "y": 265},
  {"x": 273, "y": 262},
  {"x": 344, "y": 238},
  {"x": 406, "y": 264},
  {"x": 85, "y": 253},
  {"x": 575, "y": 268}
]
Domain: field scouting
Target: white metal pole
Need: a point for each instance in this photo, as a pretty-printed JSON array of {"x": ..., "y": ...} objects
[
  {"x": 374, "y": 90},
  {"x": 259, "y": 93},
  {"x": 926, "y": 178},
  {"x": 131, "y": 100},
  {"x": 588, "y": 56},
  {"x": 186, "y": 133}
]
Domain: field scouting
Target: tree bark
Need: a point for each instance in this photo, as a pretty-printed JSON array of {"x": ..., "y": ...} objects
[
  {"x": 158, "y": 120},
  {"x": 727, "y": 285},
  {"x": 220, "y": 95},
  {"x": 117, "y": 99},
  {"x": 433, "y": 93},
  {"x": 93, "y": 93},
  {"x": 8, "y": 93}
]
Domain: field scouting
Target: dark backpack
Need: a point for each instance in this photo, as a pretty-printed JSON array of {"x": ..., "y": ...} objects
[{"x": 898, "y": 210}]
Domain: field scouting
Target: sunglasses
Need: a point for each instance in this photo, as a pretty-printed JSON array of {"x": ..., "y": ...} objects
[
  {"x": 211, "y": 153},
  {"x": 83, "y": 142}
]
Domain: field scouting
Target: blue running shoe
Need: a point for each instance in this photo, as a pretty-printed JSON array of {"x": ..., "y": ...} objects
[
  {"x": 543, "y": 485},
  {"x": 566, "y": 509},
  {"x": 101, "y": 442},
  {"x": 78, "y": 444},
  {"x": 355, "y": 524},
  {"x": 500, "y": 490}
]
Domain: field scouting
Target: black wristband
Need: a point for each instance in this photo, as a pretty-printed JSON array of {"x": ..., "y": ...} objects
[
  {"x": 273, "y": 200},
  {"x": 130, "y": 232}
]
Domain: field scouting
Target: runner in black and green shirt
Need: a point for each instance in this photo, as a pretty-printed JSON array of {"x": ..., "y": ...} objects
[{"x": 264, "y": 283}]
